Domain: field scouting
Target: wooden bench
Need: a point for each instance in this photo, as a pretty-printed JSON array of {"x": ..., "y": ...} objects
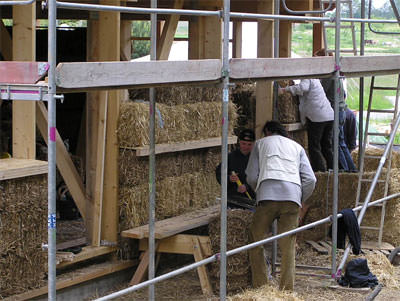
[{"x": 169, "y": 240}]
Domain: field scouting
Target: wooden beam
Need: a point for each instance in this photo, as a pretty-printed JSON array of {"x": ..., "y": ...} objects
[
  {"x": 318, "y": 38},
  {"x": 370, "y": 65},
  {"x": 174, "y": 225},
  {"x": 265, "y": 42},
  {"x": 125, "y": 74},
  {"x": 24, "y": 49},
  {"x": 5, "y": 42},
  {"x": 125, "y": 41},
  {"x": 285, "y": 39},
  {"x": 237, "y": 39},
  {"x": 22, "y": 72},
  {"x": 179, "y": 244},
  {"x": 64, "y": 162},
  {"x": 77, "y": 277},
  {"x": 270, "y": 68},
  {"x": 168, "y": 33},
  {"x": 181, "y": 146},
  {"x": 201, "y": 270},
  {"x": 88, "y": 253},
  {"x": 141, "y": 271},
  {"x": 18, "y": 168}
]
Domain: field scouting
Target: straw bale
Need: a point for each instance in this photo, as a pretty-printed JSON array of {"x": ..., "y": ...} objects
[
  {"x": 381, "y": 267},
  {"x": 321, "y": 204},
  {"x": 300, "y": 137},
  {"x": 266, "y": 293},
  {"x": 174, "y": 196},
  {"x": 244, "y": 97},
  {"x": 134, "y": 170},
  {"x": 178, "y": 123},
  {"x": 178, "y": 95},
  {"x": 371, "y": 164},
  {"x": 238, "y": 267},
  {"x": 23, "y": 229},
  {"x": 288, "y": 105}
]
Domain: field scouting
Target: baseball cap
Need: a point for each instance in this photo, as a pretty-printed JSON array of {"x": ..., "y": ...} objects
[{"x": 247, "y": 135}]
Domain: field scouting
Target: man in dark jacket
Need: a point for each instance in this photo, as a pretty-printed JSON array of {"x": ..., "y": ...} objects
[{"x": 239, "y": 195}]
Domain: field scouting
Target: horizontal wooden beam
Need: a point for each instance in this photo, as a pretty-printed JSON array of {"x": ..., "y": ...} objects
[
  {"x": 123, "y": 74},
  {"x": 18, "y": 168},
  {"x": 291, "y": 127},
  {"x": 370, "y": 65},
  {"x": 87, "y": 253},
  {"x": 77, "y": 277},
  {"x": 281, "y": 68},
  {"x": 181, "y": 146}
]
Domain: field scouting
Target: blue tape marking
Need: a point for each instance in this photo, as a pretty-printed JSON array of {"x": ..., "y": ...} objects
[{"x": 51, "y": 221}]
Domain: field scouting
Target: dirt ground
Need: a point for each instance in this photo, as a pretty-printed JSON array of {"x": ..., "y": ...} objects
[{"x": 187, "y": 286}]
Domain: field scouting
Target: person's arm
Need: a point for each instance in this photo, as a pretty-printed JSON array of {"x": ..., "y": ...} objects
[
  {"x": 307, "y": 177},
  {"x": 252, "y": 169},
  {"x": 299, "y": 89},
  {"x": 218, "y": 173}
]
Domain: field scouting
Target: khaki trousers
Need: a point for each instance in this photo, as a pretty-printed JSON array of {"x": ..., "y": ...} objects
[{"x": 287, "y": 214}]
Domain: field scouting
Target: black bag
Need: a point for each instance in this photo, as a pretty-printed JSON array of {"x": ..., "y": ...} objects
[{"x": 358, "y": 274}]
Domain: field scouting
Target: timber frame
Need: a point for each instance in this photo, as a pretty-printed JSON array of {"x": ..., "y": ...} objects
[{"x": 106, "y": 73}]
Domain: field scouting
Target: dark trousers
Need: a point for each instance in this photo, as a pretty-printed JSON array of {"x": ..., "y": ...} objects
[
  {"x": 345, "y": 160},
  {"x": 320, "y": 144}
]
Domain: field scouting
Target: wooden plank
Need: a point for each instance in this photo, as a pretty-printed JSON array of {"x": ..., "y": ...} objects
[
  {"x": 22, "y": 72},
  {"x": 71, "y": 243},
  {"x": 168, "y": 33},
  {"x": 77, "y": 277},
  {"x": 16, "y": 168},
  {"x": 350, "y": 289},
  {"x": 201, "y": 270},
  {"x": 23, "y": 113},
  {"x": 373, "y": 245},
  {"x": 271, "y": 68},
  {"x": 120, "y": 74},
  {"x": 285, "y": 38},
  {"x": 141, "y": 271},
  {"x": 174, "y": 225},
  {"x": 64, "y": 162},
  {"x": 182, "y": 146},
  {"x": 317, "y": 247},
  {"x": 370, "y": 65},
  {"x": 291, "y": 127},
  {"x": 179, "y": 244},
  {"x": 88, "y": 253},
  {"x": 326, "y": 245}
]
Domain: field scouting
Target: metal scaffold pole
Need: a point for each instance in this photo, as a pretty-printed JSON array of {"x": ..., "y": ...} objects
[
  {"x": 51, "y": 214},
  {"x": 152, "y": 159},
  {"x": 224, "y": 143}
]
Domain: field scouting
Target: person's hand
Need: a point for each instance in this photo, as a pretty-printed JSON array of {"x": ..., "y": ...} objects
[
  {"x": 233, "y": 178},
  {"x": 242, "y": 189}
]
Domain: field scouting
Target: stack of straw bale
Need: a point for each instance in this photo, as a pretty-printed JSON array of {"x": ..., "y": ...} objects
[
  {"x": 238, "y": 266},
  {"x": 178, "y": 123},
  {"x": 321, "y": 202},
  {"x": 244, "y": 97},
  {"x": 23, "y": 229},
  {"x": 288, "y": 105}
]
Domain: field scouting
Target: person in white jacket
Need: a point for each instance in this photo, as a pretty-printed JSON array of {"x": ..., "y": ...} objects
[
  {"x": 317, "y": 114},
  {"x": 280, "y": 173}
]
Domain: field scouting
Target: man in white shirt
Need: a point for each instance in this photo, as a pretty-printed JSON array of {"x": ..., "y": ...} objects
[{"x": 283, "y": 179}]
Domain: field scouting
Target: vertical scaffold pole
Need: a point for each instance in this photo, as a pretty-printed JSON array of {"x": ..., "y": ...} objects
[
  {"x": 152, "y": 159},
  {"x": 224, "y": 142},
  {"x": 51, "y": 214},
  {"x": 361, "y": 95},
  {"x": 336, "y": 139}
]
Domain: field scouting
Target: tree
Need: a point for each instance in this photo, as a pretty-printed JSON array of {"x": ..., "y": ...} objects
[{"x": 140, "y": 29}]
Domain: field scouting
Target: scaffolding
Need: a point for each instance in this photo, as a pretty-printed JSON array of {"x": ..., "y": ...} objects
[{"x": 230, "y": 70}]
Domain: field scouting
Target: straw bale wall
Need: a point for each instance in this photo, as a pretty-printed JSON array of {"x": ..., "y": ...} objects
[
  {"x": 321, "y": 204},
  {"x": 23, "y": 229},
  {"x": 288, "y": 105},
  {"x": 238, "y": 266},
  {"x": 178, "y": 123},
  {"x": 371, "y": 164}
]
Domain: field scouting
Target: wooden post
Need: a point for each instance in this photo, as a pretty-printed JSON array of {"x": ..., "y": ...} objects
[
  {"x": 237, "y": 39},
  {"x": 285, "y": 39},
  {"x": 265, "y": 42},
  {"x": 24, "y": 49},
  {"x": 318, "y": 37},
  {"x": 104, "y": 45},
  {"x": 168, "y": 33},
  {"x": 126, "y": 49}
]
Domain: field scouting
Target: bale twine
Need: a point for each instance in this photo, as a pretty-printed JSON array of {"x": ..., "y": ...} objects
[
  {"x": 23, "y": 229},
  {"x": 174, "y": 196},
  {"x": 134, "y": 170},
  {"x": 371, "y": 164},
  {"x": 178, "y": 123},
  {"x": 321, "y": 204},
  {"x": 238, "y": 266}
]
